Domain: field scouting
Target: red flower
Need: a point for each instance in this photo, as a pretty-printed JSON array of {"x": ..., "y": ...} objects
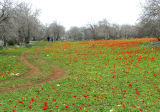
[
  {"x": 33, "y": 100},
  {"x": 97, "y": 97},
  {"x": 140, "y": 110},
  {"x": 143, "y": 101},
  {"x": 56, "y": 106},
  {"x": 136, "y": 91},
  {"x": 44, "y": 108},
  {"x": 155, "y": 75},
  {"x": 54, "y": 100},
  {"x": 66, "y": 106},
  {"x": 45, "y": 103},
  {"x": 20, "y": 102},
  {"x": 29, "y": 107},
  {"x": 80, "y": 107}
]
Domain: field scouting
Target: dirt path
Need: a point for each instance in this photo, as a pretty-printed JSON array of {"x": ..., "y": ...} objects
[{"x": 33, "y": 71}]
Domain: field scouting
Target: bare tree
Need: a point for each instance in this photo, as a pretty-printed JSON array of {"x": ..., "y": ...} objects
[
  {"x": 26, "y": 22},
  {"x": 56, "y": 30},
  {"x": 6, "y": 12},
  {"x": 104, "y": 28},
  {"x": 93, "y": 30},
  {"x": 150, "y": 18},
  {"x": 75, "y": 33}
]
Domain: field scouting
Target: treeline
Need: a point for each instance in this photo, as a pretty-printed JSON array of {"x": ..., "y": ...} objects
[
  {"x": 147, "y": 26},
  {"x": 20, "y": 24},
  {"x": 102, "y": 30}
]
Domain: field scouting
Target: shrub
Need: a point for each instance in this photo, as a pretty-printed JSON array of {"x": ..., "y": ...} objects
[
  {"x": 1, "y": 47},
  {"x": 11, "y": 42}
]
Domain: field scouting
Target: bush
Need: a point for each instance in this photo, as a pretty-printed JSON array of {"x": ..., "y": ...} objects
[
  {"x": 1, "y": 47},
  {"x": 11, "y": 42}
]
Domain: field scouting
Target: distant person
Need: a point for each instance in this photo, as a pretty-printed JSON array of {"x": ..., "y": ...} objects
[
  {"x": 52, "y": 39},
  {"x": 48, "y": 38}
]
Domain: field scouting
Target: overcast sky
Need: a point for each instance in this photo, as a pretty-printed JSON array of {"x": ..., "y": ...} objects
[{"x": 81, "y": 12}]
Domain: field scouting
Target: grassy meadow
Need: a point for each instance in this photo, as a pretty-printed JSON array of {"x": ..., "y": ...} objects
[{"x": 104, "y": 75}]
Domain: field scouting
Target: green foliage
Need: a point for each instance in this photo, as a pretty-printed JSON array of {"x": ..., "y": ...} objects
[
  {"x": 1, "y": 47},
  {"x": 11, "y": 42}
]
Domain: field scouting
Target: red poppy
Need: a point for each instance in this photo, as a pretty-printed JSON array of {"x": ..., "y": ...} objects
[
  {"x": 80, "y": 107},
  {"x": 33, "y": 100},
  {"x": 56, "y": 106},
  {"x": 20, "y": 102},
  {"x": 45, "y": 103},
  {"x": 155, "y": 75},
  {"x": 29, "y": 107},
  {"x": 54, "y": 100}
]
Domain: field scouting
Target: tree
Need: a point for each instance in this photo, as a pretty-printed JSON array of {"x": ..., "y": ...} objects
[
  {"x": 150, "y": 18},
  {"x": 75, "y": 33},
  {"x": 56, "y": 30},
  {"x": 6, "y": 12},
  {"x": 93, "y": 30},
  {"x": 26, "y": 22},
  {"x": 104, "y": 28}
]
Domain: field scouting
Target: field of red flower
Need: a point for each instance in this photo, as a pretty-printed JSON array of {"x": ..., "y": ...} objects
[{"x": 118, "y": 75}]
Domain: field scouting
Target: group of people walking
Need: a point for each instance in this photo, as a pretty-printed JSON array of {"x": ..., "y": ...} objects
[{"x": 50, "y": 39}]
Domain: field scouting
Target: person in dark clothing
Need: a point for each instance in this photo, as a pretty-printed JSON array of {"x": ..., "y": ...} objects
[
  {"x": 48, "y": 38},
  {"x": 52, "y": 39}
]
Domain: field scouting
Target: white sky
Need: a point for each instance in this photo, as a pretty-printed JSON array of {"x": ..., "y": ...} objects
[{"x": 81, "y": 12}]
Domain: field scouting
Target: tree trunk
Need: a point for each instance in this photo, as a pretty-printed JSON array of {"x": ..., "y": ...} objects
[
  {"x": 27, "y": 38},
  {"x": 34, "y": 38},
  {"x": 5, "y": 41}
]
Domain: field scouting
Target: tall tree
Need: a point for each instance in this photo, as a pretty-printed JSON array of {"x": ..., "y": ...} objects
[
  {"x": 6, "y": 12},
  {"x": 104, "y": 28},
  {"x": 75, "y": 33},
  {"x": 56, "y": 30},
  {"x": 150, "y": 18}
]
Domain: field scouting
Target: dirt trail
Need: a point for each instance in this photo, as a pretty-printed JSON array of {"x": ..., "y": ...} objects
[{"x": 34, "y": 70}]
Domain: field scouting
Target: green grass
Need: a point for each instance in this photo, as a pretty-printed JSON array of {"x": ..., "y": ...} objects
[
  {"x": 98, "y": 79},
  {"x": 10, "y": 63}
]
